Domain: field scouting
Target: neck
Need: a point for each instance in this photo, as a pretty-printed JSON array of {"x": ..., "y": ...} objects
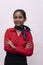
[{"x": 19, "y": 27}]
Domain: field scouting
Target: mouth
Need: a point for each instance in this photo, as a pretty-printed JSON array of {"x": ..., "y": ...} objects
[{"x": 18, "y": 22}]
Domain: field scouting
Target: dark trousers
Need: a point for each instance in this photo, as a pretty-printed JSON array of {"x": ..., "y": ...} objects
[{"x": 15, "y": 59}]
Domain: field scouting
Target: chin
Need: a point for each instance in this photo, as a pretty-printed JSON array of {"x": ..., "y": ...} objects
[{"x": 19, "y": 25}]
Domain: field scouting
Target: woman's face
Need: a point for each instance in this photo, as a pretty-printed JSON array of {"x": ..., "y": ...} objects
[{"x": 18, "y": 19}]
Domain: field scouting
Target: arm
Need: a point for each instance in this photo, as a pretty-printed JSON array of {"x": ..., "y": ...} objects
[
  {"x": 6, "y": 46},
  {"x": 8, "y": 42},
  {"x": 26, "y": 51}
]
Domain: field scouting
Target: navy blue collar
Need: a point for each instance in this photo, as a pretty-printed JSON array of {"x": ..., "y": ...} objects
[
  {"x": 19, "y": 27},
  {"x": 22, "y": 28}
]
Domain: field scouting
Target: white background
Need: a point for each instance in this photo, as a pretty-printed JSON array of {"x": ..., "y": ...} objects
[{"x": 34, "y": 11}]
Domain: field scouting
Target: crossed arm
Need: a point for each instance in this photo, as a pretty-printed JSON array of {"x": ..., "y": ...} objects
[{"x": 10, "y": 47}]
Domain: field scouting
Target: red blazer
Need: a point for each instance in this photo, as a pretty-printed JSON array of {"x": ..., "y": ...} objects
[{"x": 19, "y": 42}]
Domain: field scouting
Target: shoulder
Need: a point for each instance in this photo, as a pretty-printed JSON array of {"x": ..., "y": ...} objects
[
  {"x": 27, "y": 28},
  {"x": 9, "y": 30},
  {"x": 28, "y": 31}
]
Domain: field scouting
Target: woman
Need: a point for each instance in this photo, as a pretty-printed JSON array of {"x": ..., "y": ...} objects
[{"x": 18, "y": 41}]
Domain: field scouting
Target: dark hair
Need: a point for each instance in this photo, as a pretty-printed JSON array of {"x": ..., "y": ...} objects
[{"x": 22, "y": 11}]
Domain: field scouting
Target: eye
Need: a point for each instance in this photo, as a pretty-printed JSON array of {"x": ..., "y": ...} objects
[
  {"x": 20, "y": 17},
  {"x": 15, "y": 17}
]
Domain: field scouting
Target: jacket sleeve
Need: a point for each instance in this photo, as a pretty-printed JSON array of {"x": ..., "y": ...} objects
[
  {"x": 7, "y": 47},
  {"x": 26, "y": 51}
]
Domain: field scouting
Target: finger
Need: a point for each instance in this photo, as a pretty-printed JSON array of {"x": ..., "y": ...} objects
[
  {"x": 7, "y": 42},
  {"x": 28, "y": 45}
]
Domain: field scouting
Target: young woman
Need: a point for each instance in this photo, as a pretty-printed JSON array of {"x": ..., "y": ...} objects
[{"x": 18, "y": 41}]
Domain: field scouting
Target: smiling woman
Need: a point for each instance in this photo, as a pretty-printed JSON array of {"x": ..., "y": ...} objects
[
  {"x": 19, "y": 17},
  {"x": 18, "y": 41}
]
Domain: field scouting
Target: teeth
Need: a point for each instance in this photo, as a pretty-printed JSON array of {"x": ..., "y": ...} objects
[{"x": 18, "y": 22}]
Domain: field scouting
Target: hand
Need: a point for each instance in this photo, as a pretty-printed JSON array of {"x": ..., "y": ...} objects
[
  {"x": 28, "y": 45},
  {"x": 8, "y": 42}
]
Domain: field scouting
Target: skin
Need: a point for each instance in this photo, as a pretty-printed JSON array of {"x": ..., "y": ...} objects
[{"x": 18, "y": 21}]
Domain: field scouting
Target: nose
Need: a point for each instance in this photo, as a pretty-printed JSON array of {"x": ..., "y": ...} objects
[{"x": 18, "y": 19}]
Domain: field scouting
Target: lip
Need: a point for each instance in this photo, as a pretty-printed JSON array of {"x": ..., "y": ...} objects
[{"x": 17, "y": 22}]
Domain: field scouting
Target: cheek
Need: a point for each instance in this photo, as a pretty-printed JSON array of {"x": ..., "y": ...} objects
[
  {"x": 22, "y": 20},
  {"x": 13, "y": 21}
]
